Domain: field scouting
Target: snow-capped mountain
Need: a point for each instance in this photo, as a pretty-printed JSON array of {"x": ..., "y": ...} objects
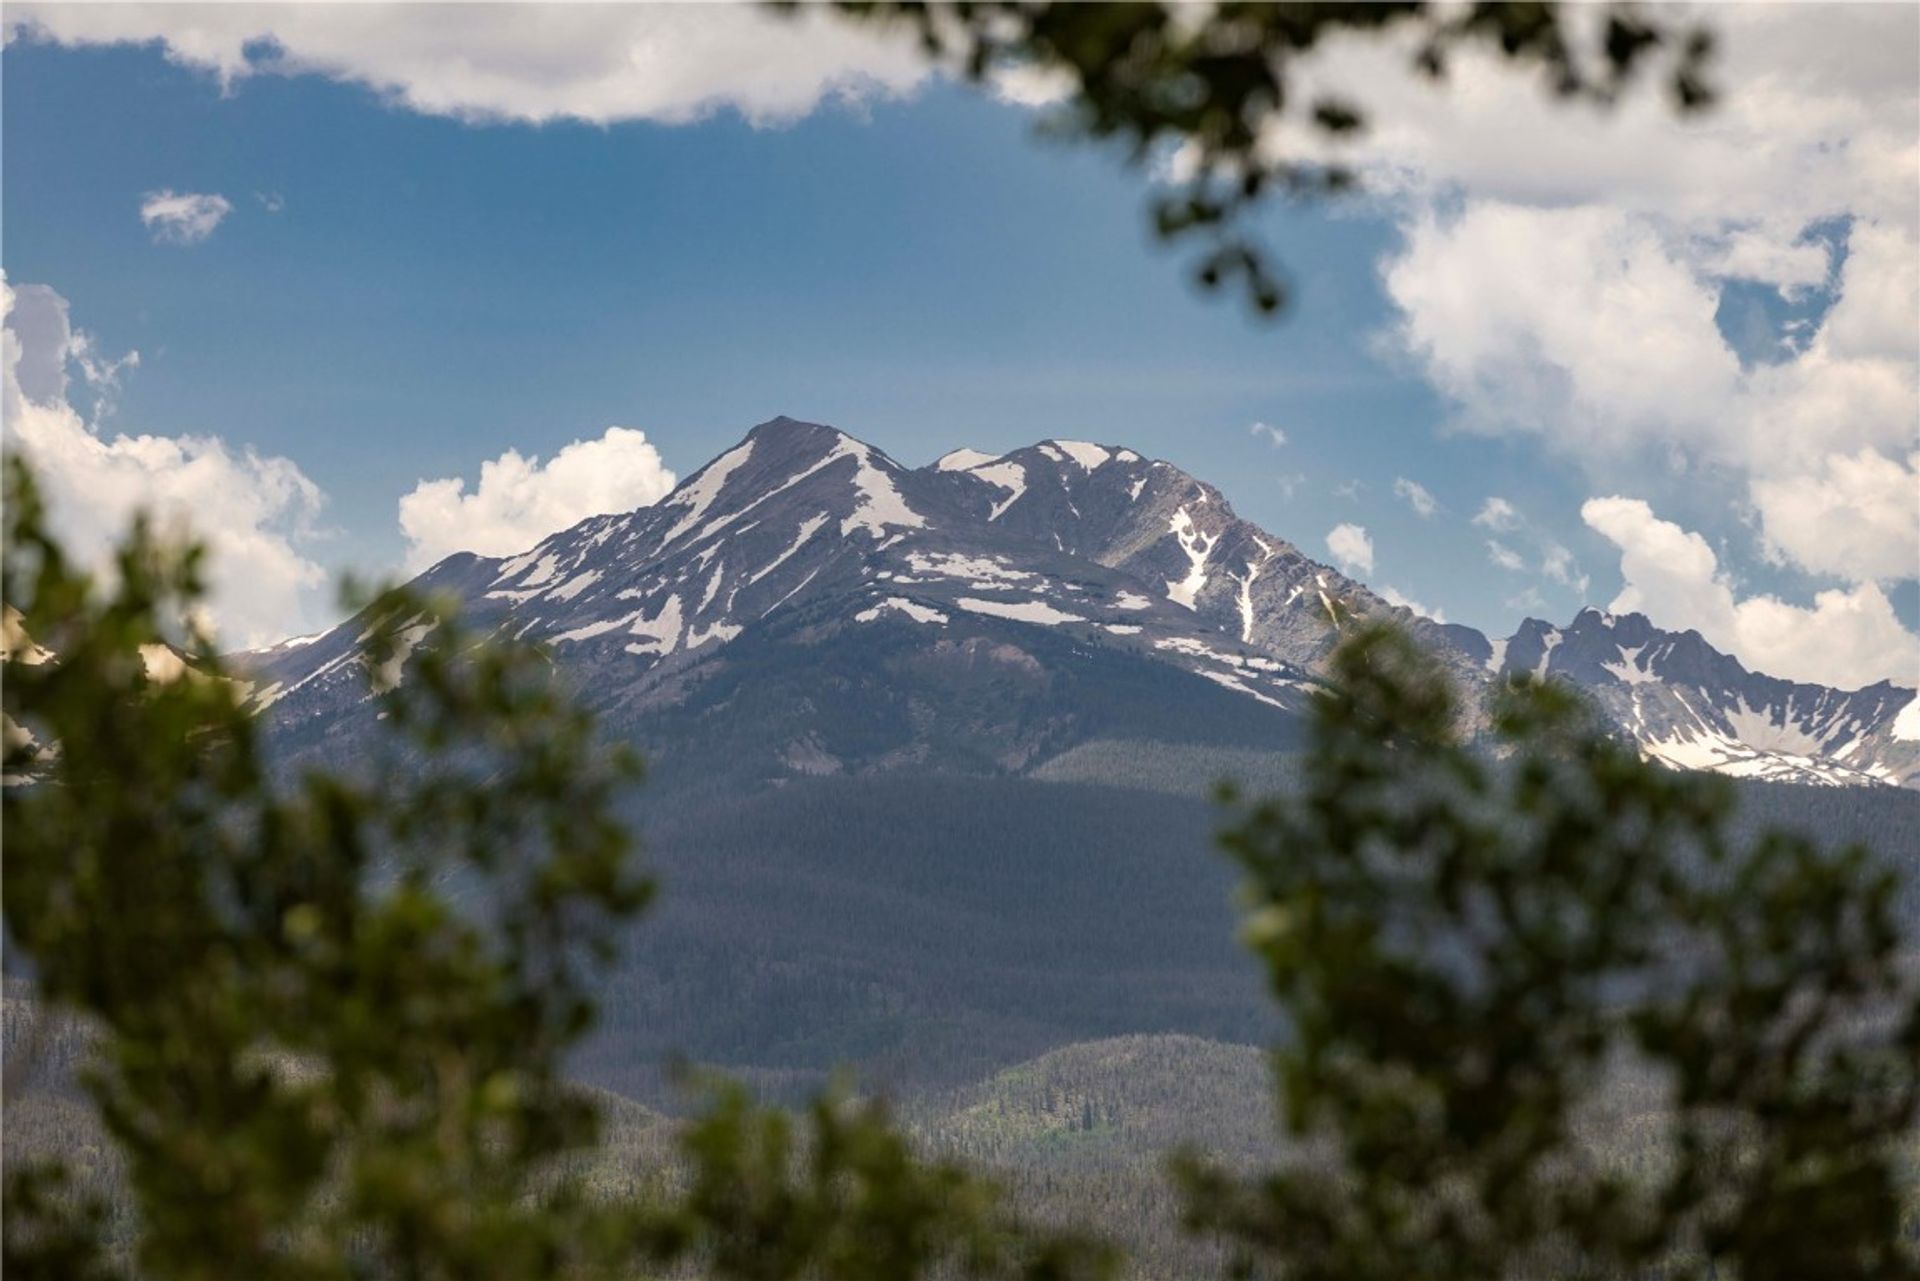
[
  {"x": 805, "y": 604},
  {"x": 1691, "y": 706}
]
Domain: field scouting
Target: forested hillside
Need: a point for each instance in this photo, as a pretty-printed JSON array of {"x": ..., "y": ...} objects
[
  {"x": 925, "y": 929},
  {"x": 1042, "y": 975},
  {"x": 931, "y": 929}
]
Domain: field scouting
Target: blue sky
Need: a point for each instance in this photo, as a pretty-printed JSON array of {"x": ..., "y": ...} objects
[{"x": 396, "y": 296}]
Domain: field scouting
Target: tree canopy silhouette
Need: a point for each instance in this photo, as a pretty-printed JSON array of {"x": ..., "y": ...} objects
[
  {"x": 1211, "y": 91},
  {"x": 1489, "y": 964},
  {"x": 329, "y": 1017}
]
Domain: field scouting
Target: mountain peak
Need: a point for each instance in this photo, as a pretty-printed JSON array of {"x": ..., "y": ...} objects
[
  {"x": 1089, "y": 456},
  {"x": 785, "y": 437},
  {"x": 802, "y": 534},
  {"x": 781, "y": 428}
]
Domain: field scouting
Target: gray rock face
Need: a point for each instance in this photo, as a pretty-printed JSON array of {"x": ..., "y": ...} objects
[{"x": 804, "y": 604}]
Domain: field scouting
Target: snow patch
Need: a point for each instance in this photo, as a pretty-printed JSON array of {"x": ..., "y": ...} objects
[
  {"x": 881, "y": 506},
  {"x": 542, "y": 573},
  {"x": 331, "y": 665},
  {"x": 510, "y": 568},
  {"x": 1131, "y": 600},
  {"x": 1198, "y": 547},
  {"x": 1768, "y": 730},
  {"x": 1630, "y": 670},
  {"x": 293, "y": 643},
  {"x": 1713, "y": 751},
  {"x": 698, "y": 494},
  {"x": 963, "y": 459},
  {"x": 1246, "y": 597},
  {"x": 1011, "y": 477},
  {"x": 807, "y": 530},
  {"x": 663, "y": 629},
  {"x": 901, "y": 605},
  {"x": 713, "y": 585},
  {"x": 1239, "y": 686},
  {"x": 722, "y": 632},
  {"x": 1196, "y": 649},
  {"x": 1906, "y": 726},
  {"x": 1028, "y": 611},
  {"x": 1497, "y": 659},
  {"x": 591, "y": 630},
  {"x": 386, "y": 675},
  {"x": 797, "y": 589},
  {"x": 1122, "y": 629},
  {"x": 1547, "y": 646},
  {"x": 575, "y": 585},
  {"x": 981, "y": 572},
  {"x": 1088, "y": 455}
]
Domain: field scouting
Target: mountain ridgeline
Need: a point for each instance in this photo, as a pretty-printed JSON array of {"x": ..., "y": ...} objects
[
  {"x": 929, "y": 750},
  {"x": 803, "y": 606},
  {"x": 929, "y": 756}
]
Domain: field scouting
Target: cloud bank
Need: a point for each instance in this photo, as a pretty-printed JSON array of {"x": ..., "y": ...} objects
[
  {"x": 1561, "y": 280},
  {"x": 520, "y": 500},
  {"x": 254, "y": 513},
  {"x": 526, "y": 64},
  {"x": 1592, "y": 331}
]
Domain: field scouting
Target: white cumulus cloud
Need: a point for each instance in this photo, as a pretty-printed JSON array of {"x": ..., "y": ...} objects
[
  {"x": 254, "y": 512},
  {"x": 1351, "y": 548},
  {"x": 1816, "y": 121},
  {"x": 1592, "y": 331},
  {"x": 1847, "y": 638},
  {"x": 521, "y": 500},
  {"x": 1561, "y": 275},
  {"x": 600, "y": 64},
  {"x": 1562, "y": 272},
  {"x": 1854, "y": 516},
  {"x": 183, "y": 217}
]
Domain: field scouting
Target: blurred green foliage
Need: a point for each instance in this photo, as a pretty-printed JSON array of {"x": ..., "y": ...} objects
[
  {"x": 1217, "y": 86},
  {"x": 315, "y": 1062},
  {"x": 1476, "y": 955},
  {"x": 330, "y": 1016},
  {"x": 846, "y": 1199}
]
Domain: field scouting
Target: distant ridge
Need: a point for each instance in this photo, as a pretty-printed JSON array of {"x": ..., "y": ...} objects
[{"x": 804, "y": 604}]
